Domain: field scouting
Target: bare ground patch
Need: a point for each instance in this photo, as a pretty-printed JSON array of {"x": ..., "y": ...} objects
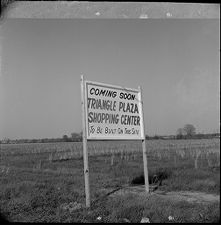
[{"x": 189, "y": 196}]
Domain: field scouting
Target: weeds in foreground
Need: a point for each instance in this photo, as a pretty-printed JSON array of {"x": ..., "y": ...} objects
[{"x": 36, "y": 195}]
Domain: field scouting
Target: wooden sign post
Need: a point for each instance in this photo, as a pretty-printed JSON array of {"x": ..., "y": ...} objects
[
  {"x": 85, "y": 153},
  {"x": 144, "y": 143},
  {"x": 111, "y": 113}
]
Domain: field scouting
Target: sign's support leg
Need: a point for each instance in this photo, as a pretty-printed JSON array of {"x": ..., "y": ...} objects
[
  {"x": 145, "y": 166},
  {"x": 85, "y": 152},
  {"x": 144, "y": 143}
]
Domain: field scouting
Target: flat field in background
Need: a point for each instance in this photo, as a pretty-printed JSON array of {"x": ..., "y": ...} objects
[{"x": 38, "y": 179}]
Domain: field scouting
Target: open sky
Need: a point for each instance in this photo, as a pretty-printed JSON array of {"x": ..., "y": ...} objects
[{"x": 176, "y": 61}]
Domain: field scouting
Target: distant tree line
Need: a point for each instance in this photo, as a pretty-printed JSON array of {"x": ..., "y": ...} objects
[
  {"x": 187, "y": 132},
  {"x": 74, "y": 137}
]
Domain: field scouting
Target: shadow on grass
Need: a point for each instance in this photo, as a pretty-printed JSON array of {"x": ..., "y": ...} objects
[
  {"x": 154, "y": 177},
  {"x": 3, "y": 219}
]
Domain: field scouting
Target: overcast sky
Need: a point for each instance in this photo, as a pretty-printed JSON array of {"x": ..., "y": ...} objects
[{"x": 176, "y": 61}]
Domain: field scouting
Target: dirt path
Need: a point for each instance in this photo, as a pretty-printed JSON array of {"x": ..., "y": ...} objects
[{"x": 189, "y": 196}]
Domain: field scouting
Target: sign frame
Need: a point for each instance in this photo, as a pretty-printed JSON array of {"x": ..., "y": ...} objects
[{"x": 85, "y": 132}]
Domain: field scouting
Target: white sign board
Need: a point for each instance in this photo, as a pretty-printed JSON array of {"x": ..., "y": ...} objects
[{"x": 112, "y": 112}]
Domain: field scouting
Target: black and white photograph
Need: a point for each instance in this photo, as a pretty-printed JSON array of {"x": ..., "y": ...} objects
[{"x": 109, "y": 112}]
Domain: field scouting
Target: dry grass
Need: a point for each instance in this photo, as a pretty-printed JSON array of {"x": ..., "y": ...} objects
[{"x": 33, "y": 187}]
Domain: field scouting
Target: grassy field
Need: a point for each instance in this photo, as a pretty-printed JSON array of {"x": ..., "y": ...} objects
[{"x": 42, "y": 182}]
